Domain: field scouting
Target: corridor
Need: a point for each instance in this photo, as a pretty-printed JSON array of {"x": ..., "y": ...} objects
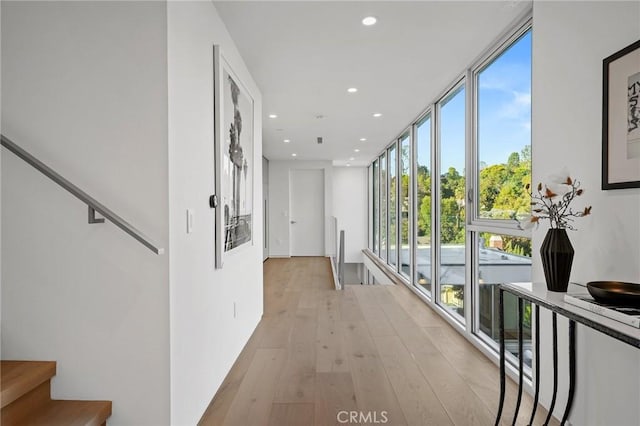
[{"x": 365, "y": 355}]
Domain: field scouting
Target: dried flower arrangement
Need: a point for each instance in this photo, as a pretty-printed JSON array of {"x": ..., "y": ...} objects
[{"x": 552, "y": 201}]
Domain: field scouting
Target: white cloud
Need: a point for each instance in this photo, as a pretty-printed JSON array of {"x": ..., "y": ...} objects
[
  {"x": 518, "y": 107},
  {"x": 522, "y": 98}
]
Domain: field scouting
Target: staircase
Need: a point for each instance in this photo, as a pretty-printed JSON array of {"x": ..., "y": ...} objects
[{"x": 26, "y": 399}]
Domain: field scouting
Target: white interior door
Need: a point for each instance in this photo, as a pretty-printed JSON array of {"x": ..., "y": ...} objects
[{"x": 306, "y": 221}]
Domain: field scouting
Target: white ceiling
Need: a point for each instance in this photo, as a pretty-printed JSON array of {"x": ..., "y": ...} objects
[{"x": 304, "y": 55}]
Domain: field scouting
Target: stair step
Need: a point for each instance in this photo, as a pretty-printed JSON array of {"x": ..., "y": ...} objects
[
  {"x": 69, "y": 413},
  {"x": 25, "y": 396},
  {"x": 20, "y": 377}
]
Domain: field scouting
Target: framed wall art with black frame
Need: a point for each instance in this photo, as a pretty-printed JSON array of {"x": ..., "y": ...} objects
[
  {"x": 234, "y": 168},
  {"x": 621, "y": 119}
]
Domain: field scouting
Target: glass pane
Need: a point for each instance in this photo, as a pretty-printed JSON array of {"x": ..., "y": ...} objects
[
  {"x": 504, "y": 133},
  {"x": 376, "y": 213},
  {"x": 423, "y": 205},
  {"x": 502, "y": 259},
  {"x": 369, "y": 205},
  {"x": 452, "y": 202},
  {"x": 393, "y": 220},
  {"x": 383, "y": 207},
  {"x": 405, "y": 164}
]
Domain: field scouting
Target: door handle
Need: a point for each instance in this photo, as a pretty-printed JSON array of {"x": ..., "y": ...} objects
[{"x": 293, "y": 221}]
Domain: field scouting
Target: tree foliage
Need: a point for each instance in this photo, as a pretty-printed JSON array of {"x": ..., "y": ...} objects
[
  {"x": 503, "y": 192},
  {"x": 502, "y": 195}
]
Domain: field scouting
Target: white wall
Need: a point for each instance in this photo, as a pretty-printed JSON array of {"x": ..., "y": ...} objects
[
  {"x": 569, "y": 42},
  {"x": 279, "y": 203},
  {"x": 84, "y": 89},
  {"x": 205, "y": 336},
  {"x": 0, "y": 188},
  {"x": 350, "y": 208}
]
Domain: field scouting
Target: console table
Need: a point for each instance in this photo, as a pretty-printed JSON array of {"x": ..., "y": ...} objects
[{"x": 554, "y": 302}]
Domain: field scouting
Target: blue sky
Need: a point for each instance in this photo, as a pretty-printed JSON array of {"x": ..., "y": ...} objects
[{"x": 504, "y": 112}]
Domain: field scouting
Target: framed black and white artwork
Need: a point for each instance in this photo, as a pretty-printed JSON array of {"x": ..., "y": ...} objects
[
  {"x": 621, "y": 119},
  {"x": 234, "y": 168}
]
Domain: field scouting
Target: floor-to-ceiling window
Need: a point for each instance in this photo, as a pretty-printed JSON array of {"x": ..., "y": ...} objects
[
  {"x": 452, "y": 186},
  {"x": 375, "y": 206},
  {"x": 403, "y": 214},
  {"x": 503, "y": 169},
  {"x": 422, "y": 205},
  {"x": 383, "y": 206},
  {"x": 451, "y": 201},
  {"x": 393, "y": 199}
]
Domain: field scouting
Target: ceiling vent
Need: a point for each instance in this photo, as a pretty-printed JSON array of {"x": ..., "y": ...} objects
[{"x": 319, "y": 140}]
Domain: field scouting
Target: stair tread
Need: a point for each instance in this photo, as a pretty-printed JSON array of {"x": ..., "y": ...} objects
[
  {"x": 70, "y": 413},
  {"x": 20, "y": 377}
]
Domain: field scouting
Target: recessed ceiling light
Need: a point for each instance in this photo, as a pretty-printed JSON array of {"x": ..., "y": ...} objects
[
  {"x": 356, "y": 150},
  {"x": 287, "y": 141},
  {"x": 351, "y": 159},
  {"x": 294, "y": 155},
  {"x": 348, "y": 165},
  {"x": 352, "y": 90},
  {"x": 363, "y": 139},
  {"x": 273, "y": 116},
  {"x": 377, "y": 114},
  {"x": 369, "y": 20}
]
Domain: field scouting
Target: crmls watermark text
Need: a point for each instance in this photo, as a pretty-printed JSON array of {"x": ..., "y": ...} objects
[{"x": 358, "y": 417}]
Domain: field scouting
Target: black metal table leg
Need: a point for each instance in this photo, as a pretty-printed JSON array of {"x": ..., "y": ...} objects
[
  {"x": 537, "y": 359},
  {"x": 572, "y": 370},
  {"x": 502, "y": 354},
  {"x": 520, "y": 358},
  {"x": 554, "y": 318}
]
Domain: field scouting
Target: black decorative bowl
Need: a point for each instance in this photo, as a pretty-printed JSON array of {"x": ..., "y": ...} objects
[{"x": 615, "y": 292}]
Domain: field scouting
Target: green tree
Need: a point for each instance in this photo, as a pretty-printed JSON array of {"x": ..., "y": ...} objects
[
  {"x": 424, "y": 218},
  {"x": 502, "y": 187},
  {"x": 451, "y": 184},
  {"x": 525, "y": 154},
  {"x": 491, "y": 179},
  {"x": 424, "y": 182},
  {"x": 451, "y": 222},
  {"x": 514, "y": 160}
]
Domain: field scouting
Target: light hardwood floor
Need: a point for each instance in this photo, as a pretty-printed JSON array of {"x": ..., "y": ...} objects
[{"x": 318, "y": 351}]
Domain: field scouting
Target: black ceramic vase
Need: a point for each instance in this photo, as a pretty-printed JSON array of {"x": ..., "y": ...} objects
[{"x": 557, "y": 256}]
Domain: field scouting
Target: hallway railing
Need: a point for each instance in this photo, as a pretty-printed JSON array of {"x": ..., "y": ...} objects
[
  {"x": 337, "y": 252},
  {"x": 341, "y": 260},
  {"x": 92, "y": 204}
]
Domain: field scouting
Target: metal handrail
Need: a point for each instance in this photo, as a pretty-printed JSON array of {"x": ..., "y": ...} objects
[{"x": 93, "y": 205}]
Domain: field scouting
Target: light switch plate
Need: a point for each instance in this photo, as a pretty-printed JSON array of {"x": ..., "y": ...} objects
[{"x": 189, "y": 221}]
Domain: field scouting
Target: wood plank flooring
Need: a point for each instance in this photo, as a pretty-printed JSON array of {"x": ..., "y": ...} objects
[{"x": 319, "y": 352}]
